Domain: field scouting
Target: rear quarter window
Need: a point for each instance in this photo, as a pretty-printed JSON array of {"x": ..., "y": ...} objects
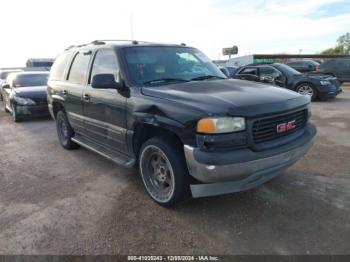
[
  {"x": 79, "y": 68},
  {"x": 59, "y": 66}
]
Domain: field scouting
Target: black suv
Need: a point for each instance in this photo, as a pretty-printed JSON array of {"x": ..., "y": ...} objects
[
  {"x": 170, "y": 111},
  {"x": 314, "y": 84},
  {"x": 339, "y": 67}
]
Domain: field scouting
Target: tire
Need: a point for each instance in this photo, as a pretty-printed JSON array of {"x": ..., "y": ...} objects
[
  {"x": 64, "y": 131},
  {"x": 307, "y": 89},
  {"x": 163, "y": 170},
  {"x": 14, "y": 115}
]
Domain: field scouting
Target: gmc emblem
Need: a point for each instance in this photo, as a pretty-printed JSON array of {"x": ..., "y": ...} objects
[{"x": 284, "y": 127}]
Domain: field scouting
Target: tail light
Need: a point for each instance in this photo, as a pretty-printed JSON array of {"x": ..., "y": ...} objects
[{"x": 318, "y": 68}]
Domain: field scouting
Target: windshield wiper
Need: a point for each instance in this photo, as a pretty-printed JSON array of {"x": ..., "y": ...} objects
[
  {"x": 205, "y": 77},
  {"x": 165, "y": 80}
]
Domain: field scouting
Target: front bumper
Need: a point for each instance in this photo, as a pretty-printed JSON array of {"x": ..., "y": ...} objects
[
  {"x": 247, "y": 168},
  {"x": 331, "y": 93},
  {"x": 33, "y": 110}
]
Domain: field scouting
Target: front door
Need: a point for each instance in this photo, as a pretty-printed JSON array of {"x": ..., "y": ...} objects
[
  {"x": 343, "y": 69},
  {"x": 104, "y": 109},
  {"x": 73, "y": 89}
]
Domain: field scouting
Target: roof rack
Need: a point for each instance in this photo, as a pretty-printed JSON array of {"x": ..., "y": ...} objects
[{"x": 103, "y": 41}]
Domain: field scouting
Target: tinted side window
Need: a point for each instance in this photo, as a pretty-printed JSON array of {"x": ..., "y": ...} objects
[
  {"x": 269, "y": 71},
  {"x": 57, "y": 69},
  {"x": 79, "y": 68},
  {"x": 292, "y": 63},
  {"x": 329, "y": 63},
  {"x": 105, "y": 62},
  {"x": 249, "y": 71},
  {"x": 343, "y": 63}
]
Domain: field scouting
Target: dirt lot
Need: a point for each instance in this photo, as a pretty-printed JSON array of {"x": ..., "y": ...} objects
[{"x": 54, "y": 201}]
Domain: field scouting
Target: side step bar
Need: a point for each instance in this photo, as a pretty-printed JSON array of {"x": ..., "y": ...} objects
[{"x": 114, "y": 156}]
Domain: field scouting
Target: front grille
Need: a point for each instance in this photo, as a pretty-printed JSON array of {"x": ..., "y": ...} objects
[{"x": 266, "y": 129}]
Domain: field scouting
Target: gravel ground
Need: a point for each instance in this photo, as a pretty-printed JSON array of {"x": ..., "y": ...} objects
[{"x": 54, "y": 201}]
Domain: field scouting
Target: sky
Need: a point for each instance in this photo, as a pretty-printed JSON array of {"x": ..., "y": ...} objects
[{"x": 44, "y": 28}]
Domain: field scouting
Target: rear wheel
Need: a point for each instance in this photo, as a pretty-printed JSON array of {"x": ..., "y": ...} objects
[
  {"x": 64, "y": 131},
  {"x": 308, "y": 90},
  {"x": 164, "y": 171}
]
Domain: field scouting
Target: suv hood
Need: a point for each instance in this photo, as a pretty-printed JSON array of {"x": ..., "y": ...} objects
[
  {"x": 230, "y": 97},
  {"x": 31, "y": 91}
]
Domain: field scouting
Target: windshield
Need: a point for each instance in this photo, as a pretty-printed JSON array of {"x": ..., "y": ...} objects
[
  {"x": 30, "y": 80},
  {"x": 155, "y": 65},
  {"x": 287, "y": 69}
]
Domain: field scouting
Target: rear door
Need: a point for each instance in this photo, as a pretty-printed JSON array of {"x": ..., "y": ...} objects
[
  {"x": 74, "y": 87},
  {"x": 343, "y": 69},
  {"x": 104, "y": 109}
]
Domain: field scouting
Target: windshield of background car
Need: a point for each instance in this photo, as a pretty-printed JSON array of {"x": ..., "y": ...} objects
[
  {"x": 30, "y": 80},
  {"x": 42, "y": 64},
  {"x": 3, "y": 75},
  {"x": 147, "y": 64},
  {"x": 287, "y": 69}
]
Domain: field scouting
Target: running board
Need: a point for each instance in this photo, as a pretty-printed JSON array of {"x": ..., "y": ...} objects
[{"x": 114, "y": 156}]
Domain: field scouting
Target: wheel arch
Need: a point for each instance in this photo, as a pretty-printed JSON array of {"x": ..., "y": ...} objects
[
  {"x": 56, "y": 107},
  {"x": 144, "y": 131}
]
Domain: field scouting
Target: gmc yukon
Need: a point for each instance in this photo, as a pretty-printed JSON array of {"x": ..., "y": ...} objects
[{"x": 168, "y": 110}]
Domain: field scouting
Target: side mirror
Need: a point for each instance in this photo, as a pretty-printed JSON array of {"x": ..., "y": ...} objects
[
  {"x": 6, "y": 86},
  {"x": 106, "y": 81}
]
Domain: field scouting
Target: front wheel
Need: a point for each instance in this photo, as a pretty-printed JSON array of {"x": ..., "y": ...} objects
[
  {"x": 164, "y": 171},
  {"x": 64, "y": 131},
  {"x": 308, "y": 90}
]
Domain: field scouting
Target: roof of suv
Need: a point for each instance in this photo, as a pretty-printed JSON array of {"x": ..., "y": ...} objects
[{"x": 121, "y": 43}]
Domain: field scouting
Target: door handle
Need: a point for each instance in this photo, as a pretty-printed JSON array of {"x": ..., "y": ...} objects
[
  {"x": 86, "y": 97},
  {"x": 65, "y": 92}
]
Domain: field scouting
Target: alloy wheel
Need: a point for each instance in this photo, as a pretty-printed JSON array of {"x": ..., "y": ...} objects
[
  {"x": 306, "y": 90},
  {"x": 157, "y": 173}
]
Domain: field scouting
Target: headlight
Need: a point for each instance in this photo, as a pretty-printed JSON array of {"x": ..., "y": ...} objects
[
  {"x": 24, "y": 101},
  {"x": 325, "y": 82},
  {"x": 220, "y": 125}
]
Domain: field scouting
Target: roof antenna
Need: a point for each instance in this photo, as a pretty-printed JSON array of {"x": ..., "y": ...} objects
[{"x": 131, "y": 27}]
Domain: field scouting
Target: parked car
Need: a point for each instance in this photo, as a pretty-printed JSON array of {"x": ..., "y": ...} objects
[
  {"x": 316, "y": 85},
  {"x": 3, "y": 75},
  {"x": 304, "y": 66},
  {"x": 340, "y": 67},
  {"x": 40, "y": 62},
  {"x": 170, "y": 111},
  {"x": 25, "y": 95}
]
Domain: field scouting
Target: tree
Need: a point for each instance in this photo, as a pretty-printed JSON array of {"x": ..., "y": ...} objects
[
  {"x": 342, "y": 47},
  {"x": 338, "y": 50},
  {"x": 344, "y": 41}
]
